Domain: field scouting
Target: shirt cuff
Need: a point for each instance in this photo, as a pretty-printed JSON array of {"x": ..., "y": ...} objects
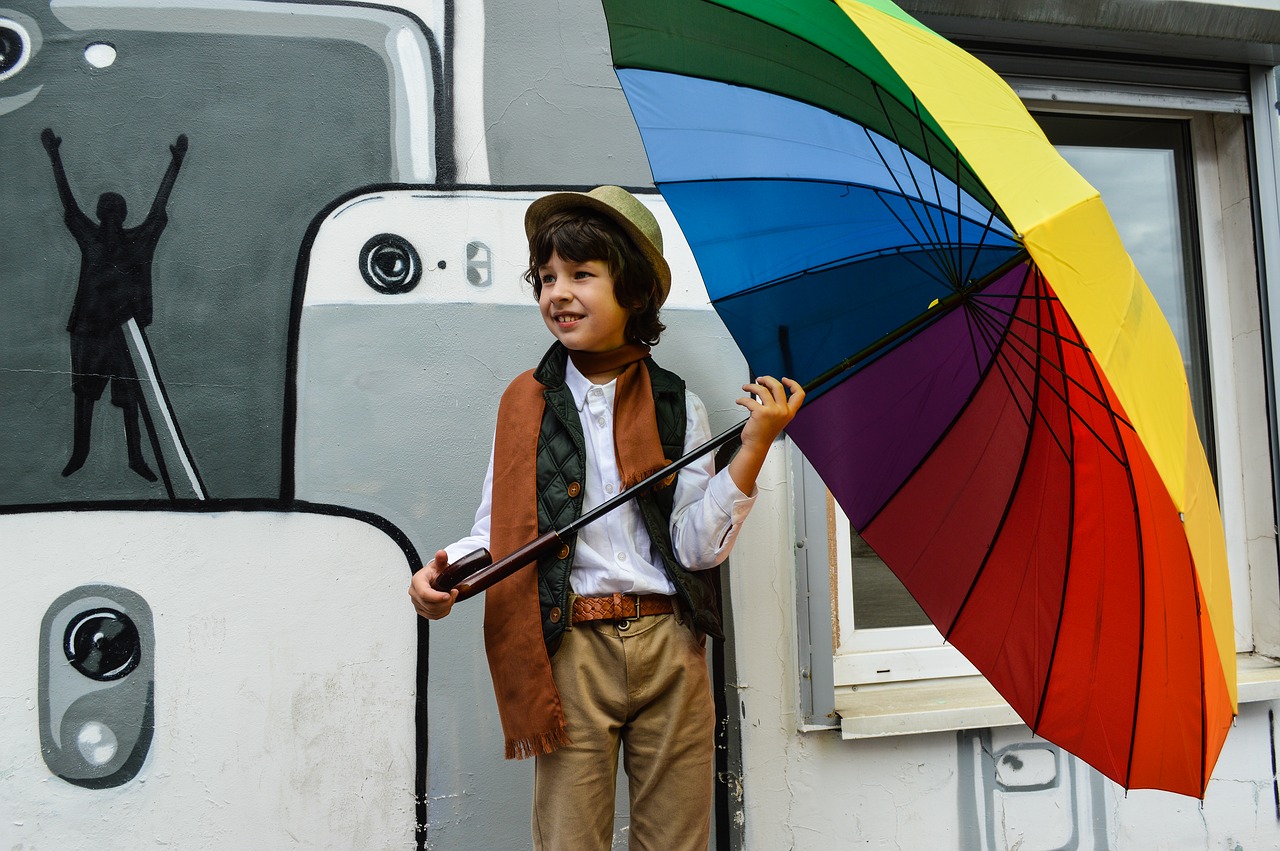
[
  {"x": 458, "y": 550},
  {"x": 731, "y": 501}
]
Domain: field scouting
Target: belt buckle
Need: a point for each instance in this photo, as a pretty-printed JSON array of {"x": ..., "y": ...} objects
[{"x": 625, "y": 623}]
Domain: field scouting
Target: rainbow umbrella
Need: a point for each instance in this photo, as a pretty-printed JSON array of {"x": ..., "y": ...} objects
[{"x": 996, "y": 400}]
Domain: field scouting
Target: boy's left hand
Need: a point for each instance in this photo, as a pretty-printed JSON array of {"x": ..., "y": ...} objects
[{"x": 770, "y": 408}]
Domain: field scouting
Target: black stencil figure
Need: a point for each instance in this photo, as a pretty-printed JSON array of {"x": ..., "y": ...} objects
[{"x": 115, "y": 286}]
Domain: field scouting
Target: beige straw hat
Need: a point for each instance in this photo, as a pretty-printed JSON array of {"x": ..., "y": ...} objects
[{"x": 620, "y": 206}]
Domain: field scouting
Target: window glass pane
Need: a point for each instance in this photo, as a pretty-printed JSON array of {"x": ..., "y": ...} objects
[
  {"x": 1140, "y": 188},
  {"x": 879, "y": 599},
  {"x": 1142, "y": 169}
]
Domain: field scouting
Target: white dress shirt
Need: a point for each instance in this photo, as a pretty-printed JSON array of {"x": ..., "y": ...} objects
[{"x": 614, "y": 554}]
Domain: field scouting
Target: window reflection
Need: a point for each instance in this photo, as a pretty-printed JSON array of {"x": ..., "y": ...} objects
[{"x": 1142, "y": 168}]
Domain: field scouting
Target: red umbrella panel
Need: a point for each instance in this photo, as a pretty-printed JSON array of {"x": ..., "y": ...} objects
[{"x": 1008, "y": 484}]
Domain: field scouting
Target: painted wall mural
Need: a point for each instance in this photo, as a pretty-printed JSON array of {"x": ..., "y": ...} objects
[
  {"x": 195, "y": 641},
  {"x": 244, "y": 227},
  {"x": 261, "y": 284}
]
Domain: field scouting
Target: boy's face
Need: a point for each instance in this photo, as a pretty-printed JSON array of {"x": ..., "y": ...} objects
[{"x": 578, "y": 305}]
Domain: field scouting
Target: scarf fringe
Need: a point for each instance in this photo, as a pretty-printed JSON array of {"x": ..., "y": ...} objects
[
  {"x": 543, "y": 743},
  {"x": 636, "y": 478}
]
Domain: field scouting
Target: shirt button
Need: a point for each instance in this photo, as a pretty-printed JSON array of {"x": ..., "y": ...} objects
[
  {"x": 596, "y": 391},
  {"x": 608, "y": 488},
  {"x": 622, "y": 556},
  {"x": 600, "y": 421}
]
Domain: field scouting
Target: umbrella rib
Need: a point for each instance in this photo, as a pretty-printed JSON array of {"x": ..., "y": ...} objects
[
  {"x": 1142, "y": 569},
  {"x": 945, "y": 305},
  {"x": 1003, "y": 358},
  {"x": 982, "y": 240},
  {"x": 954, "y": 267},
  {"x": 831, "y": 264},
  {"x": 933, "y": 314},
  {"x": 712, "y": 43},
  {"x": 1070, "y": 525},
  {"x": 1062, "y": 338},
  {"x": 992, "y": 332},
  {"x": 1004, "y": 517},
  {"x": 933, "y": 174},
  {"x": 1100, "y": 400},
  {"x": 931, "y": 228},
  {"x": 945, "y": 273},
  {"x": 1013, "y": 315},
  {"x": 834, "y": 264},
  {"x": 898, "y": 141},
  {"x": 1074, "y": 382}
]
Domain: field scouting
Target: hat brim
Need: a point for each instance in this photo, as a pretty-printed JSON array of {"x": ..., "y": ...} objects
[{"x": 548, "y": 205}]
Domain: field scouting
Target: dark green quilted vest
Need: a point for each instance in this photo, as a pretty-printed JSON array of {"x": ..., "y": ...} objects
[{"x": 561, "y": 467}]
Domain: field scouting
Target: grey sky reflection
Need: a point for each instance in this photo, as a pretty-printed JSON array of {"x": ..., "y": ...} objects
[{"x": 1139, "y": 188}]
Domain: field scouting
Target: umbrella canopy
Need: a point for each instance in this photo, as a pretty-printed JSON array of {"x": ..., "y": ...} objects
[{"x": 996, "y": 400}]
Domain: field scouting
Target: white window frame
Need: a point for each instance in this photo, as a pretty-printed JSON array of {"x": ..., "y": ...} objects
[{"x": 907, "y": 680}]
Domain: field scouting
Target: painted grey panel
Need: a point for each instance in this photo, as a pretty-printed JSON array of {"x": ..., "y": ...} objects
[
  {"x": 553, "y": 107},
  {"x": 278, "y": 128}
]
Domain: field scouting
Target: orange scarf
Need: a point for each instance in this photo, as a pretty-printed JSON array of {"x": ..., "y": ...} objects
[{"x": 528, "y": 704}]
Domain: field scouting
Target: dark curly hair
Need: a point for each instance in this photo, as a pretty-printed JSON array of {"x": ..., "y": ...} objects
[{"x": 581, "y": 234}]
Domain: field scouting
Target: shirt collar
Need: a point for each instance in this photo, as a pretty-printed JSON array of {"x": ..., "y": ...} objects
[{"x": 580, "y": 386}]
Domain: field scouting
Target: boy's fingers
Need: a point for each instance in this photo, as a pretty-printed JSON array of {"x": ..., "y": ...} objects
[
  {"x": 770, "y": 387},
  {"x": 797, "y": 393}
]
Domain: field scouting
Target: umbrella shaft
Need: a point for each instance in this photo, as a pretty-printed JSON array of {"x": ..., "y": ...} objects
[
  {"x": 935, "y": 312},
  {"x": 630, "y": 493}
]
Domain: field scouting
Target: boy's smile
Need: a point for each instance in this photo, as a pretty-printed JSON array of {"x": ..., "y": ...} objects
[{"x": 578, "y": 304}]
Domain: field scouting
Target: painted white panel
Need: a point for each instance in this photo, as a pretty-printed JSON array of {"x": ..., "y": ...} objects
[
  {"x": 440, "y": 226},
  {"x": 284, "y": 662}
]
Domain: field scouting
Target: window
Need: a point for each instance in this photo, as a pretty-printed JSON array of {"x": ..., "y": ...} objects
[{"x": 1176, "y": 179}]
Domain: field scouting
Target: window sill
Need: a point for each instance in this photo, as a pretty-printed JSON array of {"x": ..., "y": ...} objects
[
  {"x": 923, "y": 706},
  {"x": 962, "y": 703}
]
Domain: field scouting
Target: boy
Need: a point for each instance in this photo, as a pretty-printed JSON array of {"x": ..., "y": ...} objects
[{"x": 604, "y": 643}]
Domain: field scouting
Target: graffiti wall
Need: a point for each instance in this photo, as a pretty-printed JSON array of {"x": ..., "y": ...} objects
[
  {"x": 261, "y": 287},
  {"x": 263, "y": 291}
]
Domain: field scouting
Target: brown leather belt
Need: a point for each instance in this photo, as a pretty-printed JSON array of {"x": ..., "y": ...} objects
[{"x": 619, "y": 607}]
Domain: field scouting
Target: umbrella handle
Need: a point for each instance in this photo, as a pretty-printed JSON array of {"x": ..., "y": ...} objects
[{"x": 477, "y": 570}]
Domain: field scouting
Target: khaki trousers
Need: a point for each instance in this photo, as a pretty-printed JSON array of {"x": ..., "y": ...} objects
[{"x": 643, "y": 686}]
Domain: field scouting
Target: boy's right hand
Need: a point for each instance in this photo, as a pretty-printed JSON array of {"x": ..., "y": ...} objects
[{"x": 427, "y": 601}]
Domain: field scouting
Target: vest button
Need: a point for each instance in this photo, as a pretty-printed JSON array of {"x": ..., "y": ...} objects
[
  {"x": 554, "y": 615},
  {"x": 564, "y": 552},
  {"x": 574, "y": 489}
]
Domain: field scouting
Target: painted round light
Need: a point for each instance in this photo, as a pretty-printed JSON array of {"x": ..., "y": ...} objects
[
  {"x": 97, "y": 743},
  {"x": 100, "y": 54}
]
